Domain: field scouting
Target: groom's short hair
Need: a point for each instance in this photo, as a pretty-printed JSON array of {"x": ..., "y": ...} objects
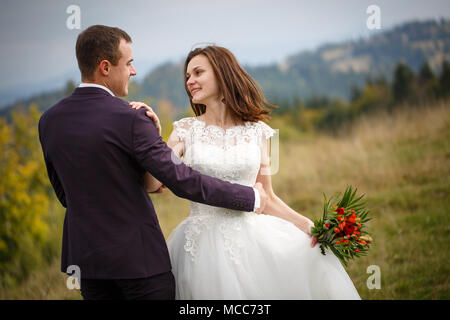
[{"x": 98, "y": 43}]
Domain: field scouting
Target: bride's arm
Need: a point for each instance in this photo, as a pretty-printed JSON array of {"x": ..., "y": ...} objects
[
  {"x": 276, "y": 207},
  {"x": 152, "y": 184}
]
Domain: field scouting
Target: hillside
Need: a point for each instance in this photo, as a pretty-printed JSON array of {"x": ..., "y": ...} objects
[
  {"x": 332, "y": 69},
  {"x": 399, "y": 161}
]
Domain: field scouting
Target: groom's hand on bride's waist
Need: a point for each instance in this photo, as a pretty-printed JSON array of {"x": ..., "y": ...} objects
[
  {"x": 150, "y": 113},
  {"x": 262, "y": 197}
]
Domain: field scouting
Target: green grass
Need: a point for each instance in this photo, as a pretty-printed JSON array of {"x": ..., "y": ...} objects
[{"x": 401, "y": 162}]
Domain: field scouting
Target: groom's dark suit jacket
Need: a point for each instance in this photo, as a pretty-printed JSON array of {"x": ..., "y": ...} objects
[{"x": 97, "y": 150}]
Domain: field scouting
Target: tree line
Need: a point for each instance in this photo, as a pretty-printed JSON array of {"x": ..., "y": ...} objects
[{"x": 407, "y": 88}]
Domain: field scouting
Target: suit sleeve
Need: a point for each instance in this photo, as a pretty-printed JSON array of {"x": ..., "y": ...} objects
[
  {"x": 157, "y": 158},
  {"x": 52, "y": 175}
]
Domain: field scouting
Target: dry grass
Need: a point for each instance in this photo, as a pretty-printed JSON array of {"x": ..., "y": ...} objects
[{"x": 401, "y": 162}]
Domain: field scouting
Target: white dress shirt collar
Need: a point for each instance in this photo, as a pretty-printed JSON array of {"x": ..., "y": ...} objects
[{"x": 85, "y": 85}]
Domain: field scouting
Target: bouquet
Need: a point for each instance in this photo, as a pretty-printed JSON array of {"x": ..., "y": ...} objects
[{"x": 343, "y": 227}]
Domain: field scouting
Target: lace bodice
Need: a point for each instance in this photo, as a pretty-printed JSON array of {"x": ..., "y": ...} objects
[{"x": 233, "y": 155}]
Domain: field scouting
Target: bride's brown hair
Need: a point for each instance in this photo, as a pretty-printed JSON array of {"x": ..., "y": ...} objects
[{"x": 241, "y": 92}]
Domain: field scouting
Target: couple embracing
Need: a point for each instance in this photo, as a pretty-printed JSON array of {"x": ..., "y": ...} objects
[{"x": 104, "y": 155}]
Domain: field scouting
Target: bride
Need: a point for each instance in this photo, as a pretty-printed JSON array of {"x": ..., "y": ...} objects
[{"x": 219, "y": 253}]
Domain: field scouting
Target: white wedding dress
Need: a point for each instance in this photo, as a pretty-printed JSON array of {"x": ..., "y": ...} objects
[{"x": 219, "y": 253}]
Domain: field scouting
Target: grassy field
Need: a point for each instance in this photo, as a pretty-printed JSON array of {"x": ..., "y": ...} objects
[{"x": 400, "y": 161}]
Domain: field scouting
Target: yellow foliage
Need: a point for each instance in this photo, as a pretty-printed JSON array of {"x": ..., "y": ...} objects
[
  {"x": 24, "y": 196},
  {"x": 165, "y": 111}
]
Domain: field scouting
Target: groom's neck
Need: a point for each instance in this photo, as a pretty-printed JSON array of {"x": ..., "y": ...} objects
[{"x": 92, "y": 81}]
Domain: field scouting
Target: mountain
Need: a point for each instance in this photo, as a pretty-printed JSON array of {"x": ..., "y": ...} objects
[
  {"x": 12, "y": 93},
  {"x": 331, "y": 70}
]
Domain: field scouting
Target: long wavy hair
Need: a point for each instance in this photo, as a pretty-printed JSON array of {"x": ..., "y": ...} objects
[{"x": 241, "y": 92}]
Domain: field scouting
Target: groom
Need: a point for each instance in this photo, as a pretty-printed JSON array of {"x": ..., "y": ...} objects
[{"x": 97, "y": 150}]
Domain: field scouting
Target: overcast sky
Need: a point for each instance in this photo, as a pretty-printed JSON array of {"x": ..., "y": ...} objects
[{"x": 37, "y": 45}]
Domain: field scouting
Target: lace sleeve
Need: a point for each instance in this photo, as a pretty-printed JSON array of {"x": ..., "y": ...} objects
[
  {"x": 177, "y": 139},
  {"x": 180, "y": 129},
  {"x": 266, "y": 133}
]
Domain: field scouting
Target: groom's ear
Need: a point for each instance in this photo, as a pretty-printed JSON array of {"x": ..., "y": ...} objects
[{"x": 104, "y": 67}]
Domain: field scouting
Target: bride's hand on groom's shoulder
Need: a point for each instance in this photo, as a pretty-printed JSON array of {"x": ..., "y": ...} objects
[{"x": 150, "y": 113}]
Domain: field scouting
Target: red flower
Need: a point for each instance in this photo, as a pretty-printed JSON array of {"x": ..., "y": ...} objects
[
  {"x": 352, "y": 218},
  {"x": 338, "y": 235},
  {"x": 340, "y": 210},
  {"x": 327, "y": 225},
  {"x": 349, "y": 229}
]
